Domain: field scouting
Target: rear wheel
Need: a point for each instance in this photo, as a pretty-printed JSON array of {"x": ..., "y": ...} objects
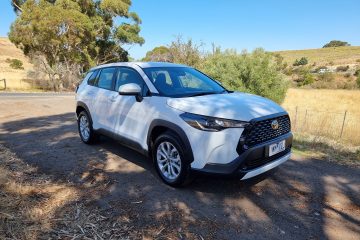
[
  {"x": 169, "y": 160},
  {"x": 86, "y": 131}
]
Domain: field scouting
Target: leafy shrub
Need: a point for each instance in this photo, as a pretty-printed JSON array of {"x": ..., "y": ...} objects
[
  {"x": 302, "y": 61},
  {"x": 326, "y": 77},
  {"x": 349, "y": 85},
  {"x": 342, "y": 68},
  {"x": 304, "y": 76},
  {"x": 255, "y": 72},
  {"x": 357, "y": 72},
  {"x": 308, "y": 79},
  {"x": 336, "y": 43},
  {"x": 358, "y": 81},
  {"x": 15, "y": 63},
  {"x": 288, "y": 71},
  {"x": 347, "y": 75}
]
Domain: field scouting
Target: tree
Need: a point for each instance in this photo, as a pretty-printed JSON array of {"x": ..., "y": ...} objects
[
  {"x": 336, "y": 43},
  {"x": 75, "y": 34},
  {"x": 178, "y": 51},
  {"x": 158, "y": 54},
  {"x": 185, "y": 52}
]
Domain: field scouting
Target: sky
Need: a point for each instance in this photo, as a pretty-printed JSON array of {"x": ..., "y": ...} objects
[{"x": 238, "y": 24}]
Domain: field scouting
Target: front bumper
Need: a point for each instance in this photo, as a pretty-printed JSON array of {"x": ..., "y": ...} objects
[{"x": 253, "y": 161}]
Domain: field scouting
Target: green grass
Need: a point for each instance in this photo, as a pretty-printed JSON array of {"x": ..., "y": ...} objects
[{"x": 324, "y": 56}]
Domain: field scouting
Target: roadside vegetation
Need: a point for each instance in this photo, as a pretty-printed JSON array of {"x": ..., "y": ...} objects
[
  {"x": 322, "y": 148},
  {"x": 71, "y": 37}
]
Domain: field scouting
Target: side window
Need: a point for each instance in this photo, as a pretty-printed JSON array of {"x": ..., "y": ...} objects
[
  {"x": 87, "y": 76},
  {"x": 92, "y": 78},
  {"x": 105, "y": 79},
  {"x": 128, "y": 75}
]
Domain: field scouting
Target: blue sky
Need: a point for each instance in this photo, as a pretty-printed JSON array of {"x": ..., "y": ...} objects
[{"x": 273, "y": 25}]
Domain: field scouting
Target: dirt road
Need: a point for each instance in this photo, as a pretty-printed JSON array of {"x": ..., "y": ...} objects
[{"x": 302, "y": 199}]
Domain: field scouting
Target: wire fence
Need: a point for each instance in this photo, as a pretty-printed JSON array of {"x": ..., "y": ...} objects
[{"x": 341, "y": 126}]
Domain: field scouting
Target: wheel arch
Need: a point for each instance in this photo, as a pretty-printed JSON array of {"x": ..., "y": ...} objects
[
  {"x": 81, "y": 106},
  {"x": 159, "y": 126}
]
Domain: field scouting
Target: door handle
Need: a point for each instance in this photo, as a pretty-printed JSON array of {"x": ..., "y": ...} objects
[{"x": 112, "y": 99}]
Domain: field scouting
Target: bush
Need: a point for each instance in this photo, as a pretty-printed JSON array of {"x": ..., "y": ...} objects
[
  {"x": 301, "y": 62},
  {"x": 304, "y": 76},
  {"x": 357, "y": 72},
  {"x": 358, "y": 81},
  {"x": 255, "y": 72},
  {"x": 326, "y": 77},
  {"x": 336, "y": 43},
  {"x": 342, "y": 68},
  {"x": 347, "y": 75},
  {"x": 358, "y": 60},
  {"x": 15, "y": 63}
]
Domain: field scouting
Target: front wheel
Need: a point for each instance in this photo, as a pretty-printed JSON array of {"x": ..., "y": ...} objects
[
  {"x": 169, "y": 160},
  {"x": 86, "y": 131}
]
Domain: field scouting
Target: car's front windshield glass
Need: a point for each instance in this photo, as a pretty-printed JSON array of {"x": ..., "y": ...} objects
[{"x": 182, "y": 82}]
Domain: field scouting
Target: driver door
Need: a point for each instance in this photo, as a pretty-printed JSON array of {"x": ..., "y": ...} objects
[{"x": 129, "y": 117}]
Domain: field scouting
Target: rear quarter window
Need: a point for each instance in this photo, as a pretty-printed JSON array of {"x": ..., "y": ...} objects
[{"x": 92, "y": 78}]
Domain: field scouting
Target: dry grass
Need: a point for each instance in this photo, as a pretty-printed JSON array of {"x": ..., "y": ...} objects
[
  {"x": 321, "y": 112},
  {"x": 34, "y": 206},
  {"x": 324, "y": 56},
  {"x": 28, "y": 201},
  {"x": 14, "y": 77},
  {"x": 322, "y": 148}
]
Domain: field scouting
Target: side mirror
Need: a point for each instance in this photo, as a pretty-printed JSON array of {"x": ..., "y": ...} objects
[{"x": 131, "y": 89}]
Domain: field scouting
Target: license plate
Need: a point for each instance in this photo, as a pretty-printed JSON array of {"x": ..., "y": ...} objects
[{"x": 276, "y": 148}]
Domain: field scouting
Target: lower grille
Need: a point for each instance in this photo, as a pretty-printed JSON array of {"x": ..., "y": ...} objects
[{"x": 254, "y": 163}]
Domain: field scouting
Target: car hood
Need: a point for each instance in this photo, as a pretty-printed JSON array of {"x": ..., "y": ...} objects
[{"x": 237, "y": 106}]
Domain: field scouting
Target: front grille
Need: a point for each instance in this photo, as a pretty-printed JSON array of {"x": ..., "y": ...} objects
[{"x": 261, "y": 131}]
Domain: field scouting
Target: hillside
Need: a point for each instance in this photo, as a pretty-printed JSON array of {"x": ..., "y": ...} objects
[
  {"x": 14, "y": 77},
  {"x": 324, "y": 56}
]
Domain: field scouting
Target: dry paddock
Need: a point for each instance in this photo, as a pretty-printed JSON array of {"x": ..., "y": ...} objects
[{"x": 53, "y": 186}]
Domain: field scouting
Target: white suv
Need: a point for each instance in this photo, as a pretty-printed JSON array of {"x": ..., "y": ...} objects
[{"x": 183, "y": 119}]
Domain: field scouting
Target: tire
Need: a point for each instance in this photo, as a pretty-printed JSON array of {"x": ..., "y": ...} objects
[
  {"x": 86, "y": 131},
  {"x": 170, "y": 163}
]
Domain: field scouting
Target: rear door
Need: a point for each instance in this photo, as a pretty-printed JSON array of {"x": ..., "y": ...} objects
[{"x": 103, "y": 98}]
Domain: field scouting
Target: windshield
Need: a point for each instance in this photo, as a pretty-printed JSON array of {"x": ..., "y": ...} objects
[{"x": 182, "y": 82}]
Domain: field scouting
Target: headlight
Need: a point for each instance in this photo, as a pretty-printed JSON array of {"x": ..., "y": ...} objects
[{"x": 211, "y": 123}]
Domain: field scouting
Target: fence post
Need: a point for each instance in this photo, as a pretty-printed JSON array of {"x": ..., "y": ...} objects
[
  {"x": 343, "y": 124},
  {"x": 296, "y": 110},
  {"x": 304, "y": 120},
  {"x": 4, "y": 80}
]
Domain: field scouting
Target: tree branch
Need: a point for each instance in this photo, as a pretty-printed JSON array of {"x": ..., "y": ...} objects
[{"x": 18, "y": 8}]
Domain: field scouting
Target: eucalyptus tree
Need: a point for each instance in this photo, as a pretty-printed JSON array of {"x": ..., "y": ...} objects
[{"x": 80, "y": 33}]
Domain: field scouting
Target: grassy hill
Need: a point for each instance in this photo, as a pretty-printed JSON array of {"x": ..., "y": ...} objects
[
  {"x": 324, "y": 56},
  {"x": 14, "y": 77}
]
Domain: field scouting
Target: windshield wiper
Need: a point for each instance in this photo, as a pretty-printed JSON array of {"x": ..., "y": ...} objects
[{"x": 203, "y": 93}]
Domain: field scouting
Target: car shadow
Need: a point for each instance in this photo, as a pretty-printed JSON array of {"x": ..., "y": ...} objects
[{"x": 294, "y": 201}]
